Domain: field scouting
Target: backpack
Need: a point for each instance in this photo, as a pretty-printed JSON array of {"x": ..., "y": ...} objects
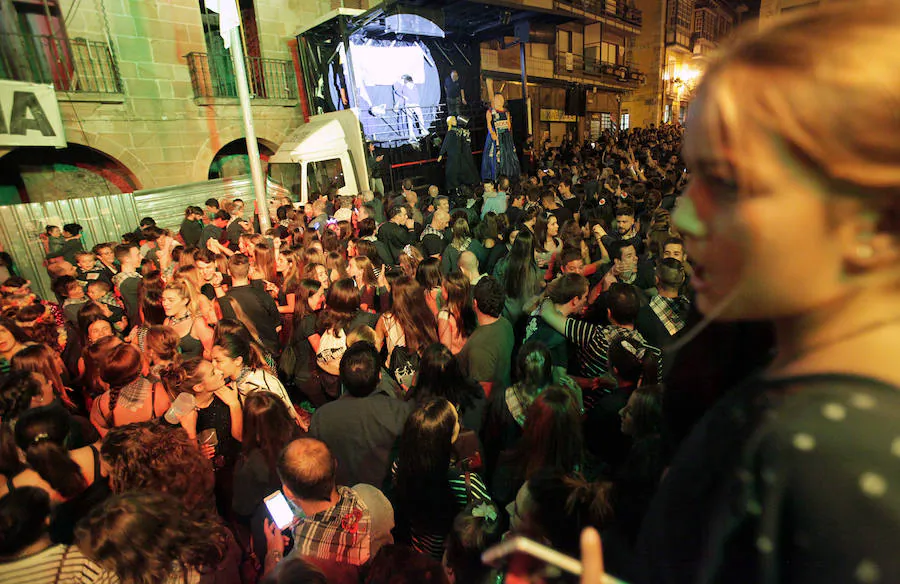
[{"x": 403, "y": 366}]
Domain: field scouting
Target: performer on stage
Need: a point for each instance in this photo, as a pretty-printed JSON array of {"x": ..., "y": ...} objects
[
  {"x": 461, "y": 169},
  {"x": 406, "y": 99},
  {"x": 499, "y": 155},
  {"x": 456, "y": 95}
]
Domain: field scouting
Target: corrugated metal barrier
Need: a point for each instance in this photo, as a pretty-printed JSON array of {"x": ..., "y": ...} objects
[
  {"x": 104, "y": 218},
  {"x": 167, "y": 204}
]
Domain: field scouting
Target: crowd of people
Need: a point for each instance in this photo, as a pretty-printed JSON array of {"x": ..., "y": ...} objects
[
  {"x": 421, "y": 374},
  {"x": 408, "y": 371}
]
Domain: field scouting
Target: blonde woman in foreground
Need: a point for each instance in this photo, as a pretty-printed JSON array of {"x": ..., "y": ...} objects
[{"x": 793, "y": 213}]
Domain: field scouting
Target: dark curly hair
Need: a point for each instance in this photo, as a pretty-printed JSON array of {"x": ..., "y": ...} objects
[
  {"x": 148, "y": 538},
  {"x": 490, "y": 296},
  {"x": 158, "y": 457}
]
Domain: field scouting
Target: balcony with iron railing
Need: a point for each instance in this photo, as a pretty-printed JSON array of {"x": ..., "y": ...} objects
[
  {"x": 82, "y": 67},
  {"x": 576, "y": 66},
  {"x": 618, "y": 9},
  {"x": 212, "y": 77}
]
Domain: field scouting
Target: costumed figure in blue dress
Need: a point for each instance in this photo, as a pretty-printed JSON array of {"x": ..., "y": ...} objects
[{"x": 499, "y": 157}]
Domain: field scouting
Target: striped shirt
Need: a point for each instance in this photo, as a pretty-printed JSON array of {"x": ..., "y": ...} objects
[
  {"x": 57, "y": 564},
  {"x": 430, "y": 543},
  {"x": 593, "y": 344}
]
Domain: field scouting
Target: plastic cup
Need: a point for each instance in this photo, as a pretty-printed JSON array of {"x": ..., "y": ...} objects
[{"x": 183, "y": 404}]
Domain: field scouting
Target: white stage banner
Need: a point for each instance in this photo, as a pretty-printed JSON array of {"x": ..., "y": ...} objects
[{"x": 29, "y": 115}]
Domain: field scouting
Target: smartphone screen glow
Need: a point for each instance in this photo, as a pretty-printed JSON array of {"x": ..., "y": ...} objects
[{"x": 279, "y": 509}]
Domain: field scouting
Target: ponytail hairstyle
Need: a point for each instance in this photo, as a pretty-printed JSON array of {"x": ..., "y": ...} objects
[
  {"x": 184, "y": 377},
  {"x": 243, "y": 328},
  {"x": 236, "y": 345},
  {"x": 41, "y": 435},
  {"x": 122, "y": 365},
  {"x": 534, "y": 368}
]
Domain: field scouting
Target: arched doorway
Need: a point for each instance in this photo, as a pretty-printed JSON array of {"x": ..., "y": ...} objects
[
  {"x": 231, "y": 160},
  {"x": 38, "y": 174}
]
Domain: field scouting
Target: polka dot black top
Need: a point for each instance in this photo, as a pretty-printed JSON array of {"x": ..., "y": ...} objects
[{"x": 794, "y": 481}]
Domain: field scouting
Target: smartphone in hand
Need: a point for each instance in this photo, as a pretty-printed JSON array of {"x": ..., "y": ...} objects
[{"x": 280, "y": 510}]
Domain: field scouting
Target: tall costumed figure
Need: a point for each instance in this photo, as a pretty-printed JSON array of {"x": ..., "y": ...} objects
[
  {"x": 461, "y": 169},
  {"x": 499, "y": 157}
]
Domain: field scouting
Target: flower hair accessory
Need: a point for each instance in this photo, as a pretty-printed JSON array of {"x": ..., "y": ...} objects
[
  {"x": 485, "y": 510},
  {"x": 40, "y": 438}
]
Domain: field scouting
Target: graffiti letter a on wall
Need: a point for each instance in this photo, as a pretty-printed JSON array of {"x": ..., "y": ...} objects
[{"x": 20, "y": 121}]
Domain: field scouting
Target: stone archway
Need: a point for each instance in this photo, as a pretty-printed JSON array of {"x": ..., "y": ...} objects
[
  {"x": 231, "y": 160},
  {"x": 37, "y": 174}
]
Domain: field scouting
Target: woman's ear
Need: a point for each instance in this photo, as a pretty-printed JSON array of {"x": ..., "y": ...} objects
[{"x": 867, "y": 244}]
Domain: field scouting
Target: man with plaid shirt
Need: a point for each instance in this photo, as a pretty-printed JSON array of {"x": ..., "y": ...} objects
[
  {"x": 665, "y": 316},
  {"x": 338, "y": 524}
]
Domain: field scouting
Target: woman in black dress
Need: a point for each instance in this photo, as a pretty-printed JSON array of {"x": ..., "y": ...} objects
[{"x": 216, "y": 422}]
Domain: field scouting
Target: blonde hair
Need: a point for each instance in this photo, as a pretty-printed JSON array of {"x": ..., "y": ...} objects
[
  {"x": 190, "y": 276},
  {"x": 186, "y": 291},
  {"x": 810, "y": 102}
]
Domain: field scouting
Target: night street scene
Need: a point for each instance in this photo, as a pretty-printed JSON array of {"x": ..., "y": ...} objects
[{"x": 449, "y": 291}]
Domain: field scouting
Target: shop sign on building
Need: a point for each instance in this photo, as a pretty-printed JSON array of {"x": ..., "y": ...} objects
[
  {"x": 29, "y": 115},
  {"x": 555, "y": 115}
]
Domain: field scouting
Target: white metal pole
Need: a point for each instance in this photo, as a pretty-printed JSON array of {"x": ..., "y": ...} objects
[{"x": 259, "y": 181}]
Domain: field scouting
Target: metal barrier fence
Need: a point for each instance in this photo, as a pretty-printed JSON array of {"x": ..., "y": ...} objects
[
  {"x": 104, "y": 218},
  {"x": 212, "y": 75},
  {"x": 68, "y": 64}
]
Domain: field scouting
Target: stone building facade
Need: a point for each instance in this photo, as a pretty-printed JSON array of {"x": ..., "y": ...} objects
[{"x": 146, "y": 91}]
